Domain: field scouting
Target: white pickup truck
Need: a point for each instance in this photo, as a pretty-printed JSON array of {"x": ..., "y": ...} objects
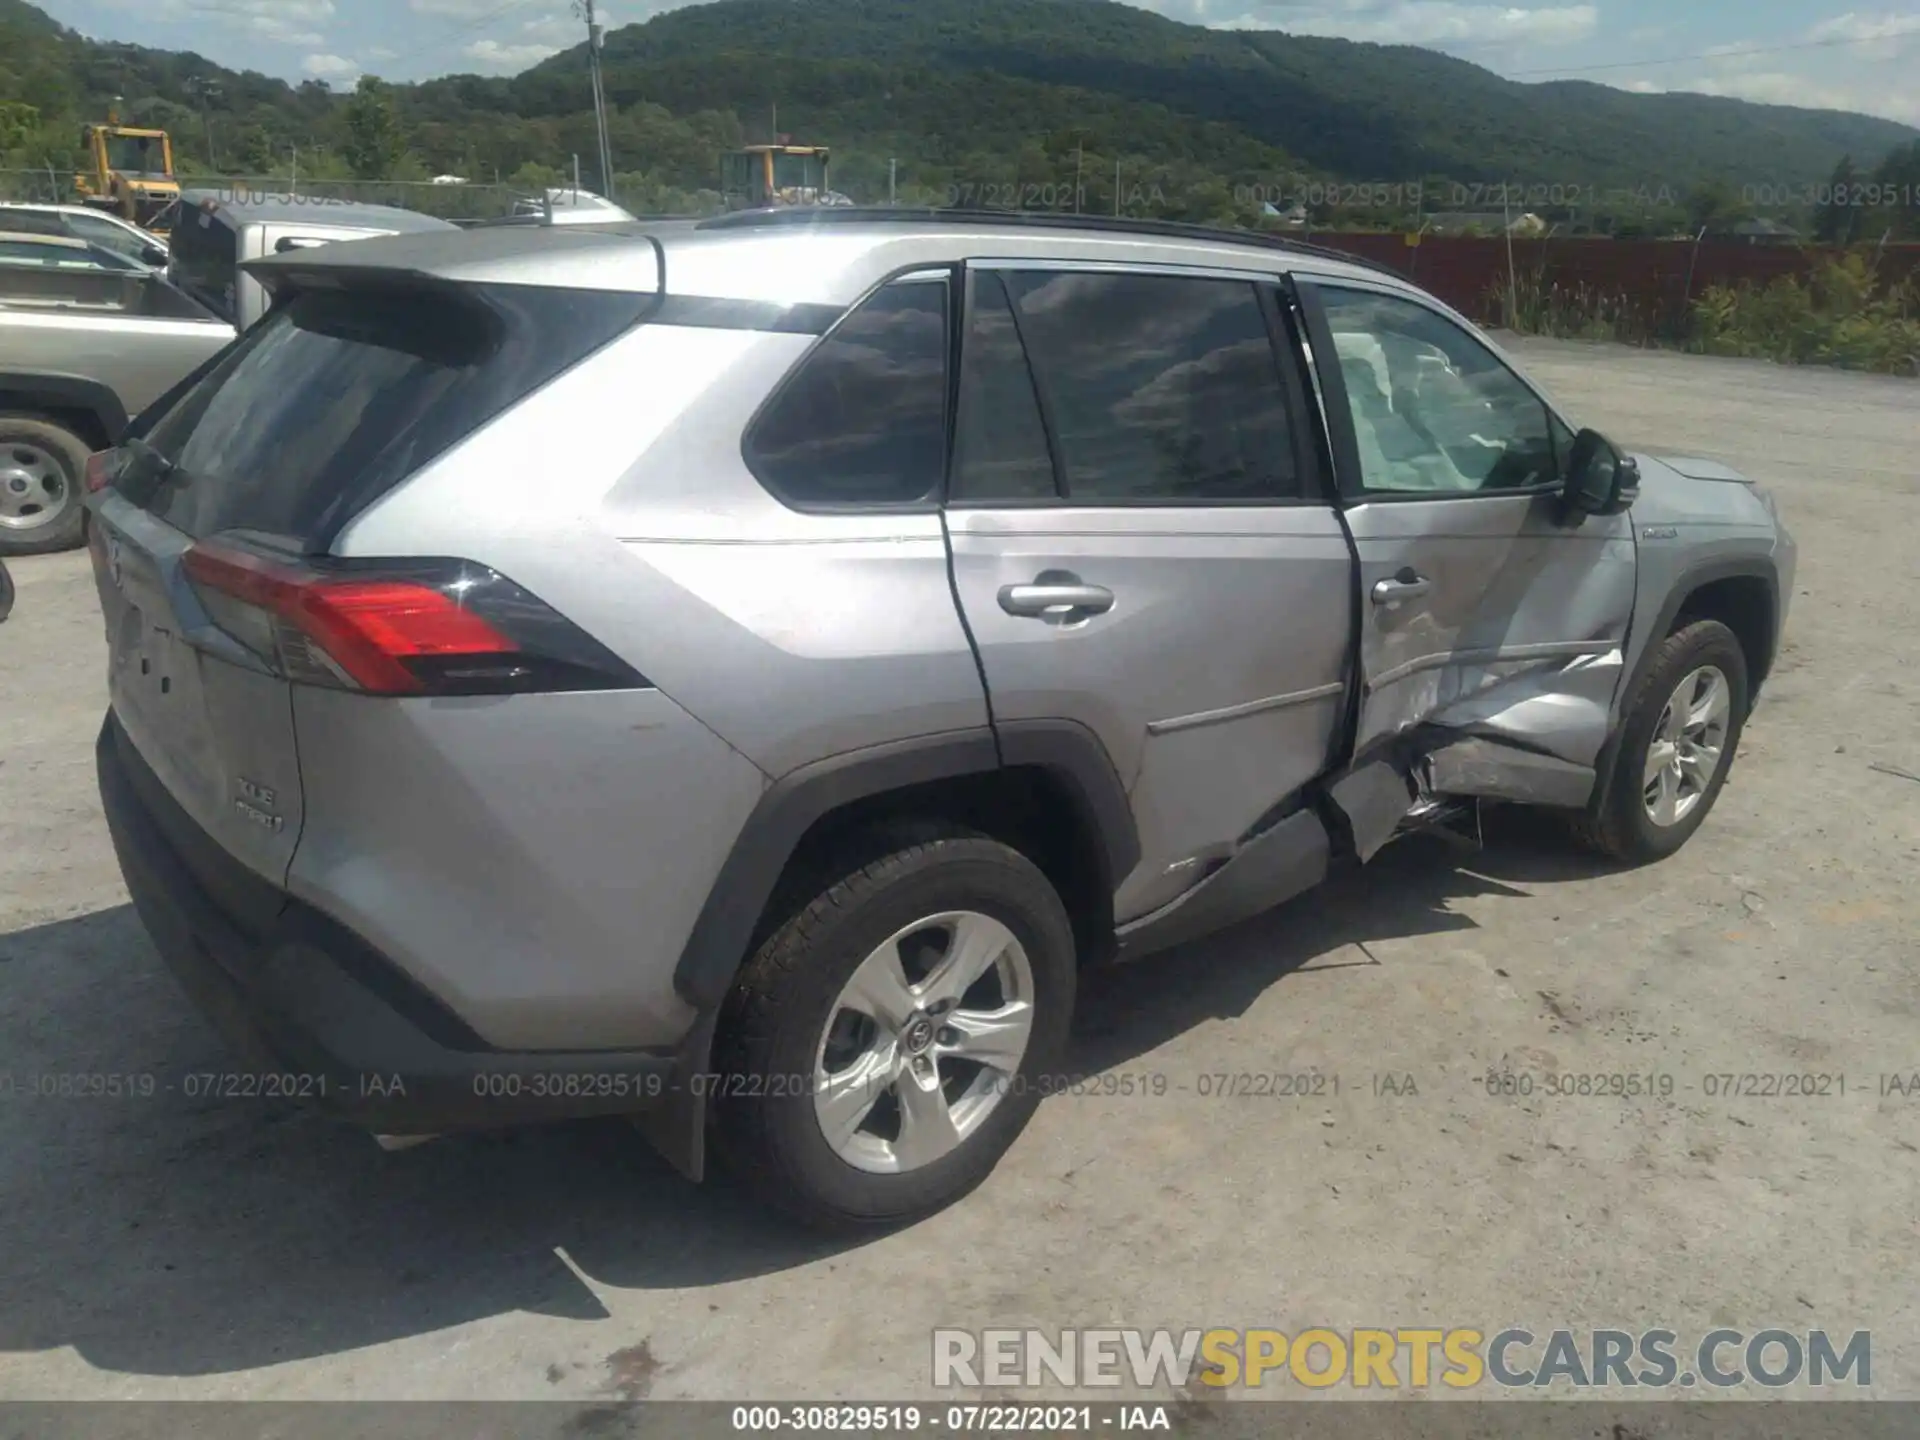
[{"x": 84, "y": 351}]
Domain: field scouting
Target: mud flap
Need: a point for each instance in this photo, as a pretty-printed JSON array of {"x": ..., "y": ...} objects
[{"x": 1366, "y": 805}]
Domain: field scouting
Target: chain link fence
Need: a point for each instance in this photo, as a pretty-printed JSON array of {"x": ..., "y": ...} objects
[{"x": 470, "y": 200}]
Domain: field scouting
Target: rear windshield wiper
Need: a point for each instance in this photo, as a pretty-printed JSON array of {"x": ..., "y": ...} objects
[
  {"x": 152, "y": 460},
  {"x": 141, "y": 480}
]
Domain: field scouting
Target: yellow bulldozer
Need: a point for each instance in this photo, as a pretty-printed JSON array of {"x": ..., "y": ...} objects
[
  {"x": 129, "y": 172},
  {"x": 759, "y": 177}
]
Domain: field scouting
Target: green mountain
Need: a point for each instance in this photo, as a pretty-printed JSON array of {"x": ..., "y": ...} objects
[
  {"x": 1370, "y": 113},
  {"x": 977, "y": 101}
]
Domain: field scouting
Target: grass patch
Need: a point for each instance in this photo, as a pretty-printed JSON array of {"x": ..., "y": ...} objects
[{"x": 1843, "y": 314}]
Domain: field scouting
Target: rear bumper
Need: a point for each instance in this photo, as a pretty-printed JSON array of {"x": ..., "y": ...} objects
[{"x": 313, "y": 1012}]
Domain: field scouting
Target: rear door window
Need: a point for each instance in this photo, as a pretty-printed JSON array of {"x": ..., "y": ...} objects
[
  {"x": 1158, "y": 388},
  {"x": 338, "y": 396}
]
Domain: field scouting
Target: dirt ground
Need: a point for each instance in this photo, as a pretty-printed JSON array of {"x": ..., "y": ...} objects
[{"x": 169, "y": 1247}]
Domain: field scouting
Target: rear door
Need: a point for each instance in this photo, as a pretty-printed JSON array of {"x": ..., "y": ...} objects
[
  {"x": 1485, "y": 607},
  {"x": 312, "y": 416},
  {"x": 1141, "y": 544}
]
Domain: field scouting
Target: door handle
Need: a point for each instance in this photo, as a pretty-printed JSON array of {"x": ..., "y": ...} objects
[
  {"x": 1055, "y": 601},
  {"x": 1407, "y": 585}
]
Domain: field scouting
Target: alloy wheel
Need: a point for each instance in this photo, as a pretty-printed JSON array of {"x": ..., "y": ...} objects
[
  {"x": 1684, "y": 754},
  {"x": 923, "y": 1042}
]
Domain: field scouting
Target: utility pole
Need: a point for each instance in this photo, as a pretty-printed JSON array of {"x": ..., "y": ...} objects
[
  {"x": 1079, "y": 164},
  {"x": 202, "y": 87},
  {"x": 893, "y": 182},
  {"x": 596, "y": 39},
  {"x": 1116, "y": 187}
]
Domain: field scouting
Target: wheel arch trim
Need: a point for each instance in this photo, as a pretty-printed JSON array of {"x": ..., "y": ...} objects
[
  {"x": 790, "y": 807},
  {"x": 716, "y": 947},
  {"x": 1690, "y": 583},
  {"x": 30, "y": 389}
]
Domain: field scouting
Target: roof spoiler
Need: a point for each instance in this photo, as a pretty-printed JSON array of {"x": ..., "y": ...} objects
[{"x": 284, "y": 276}]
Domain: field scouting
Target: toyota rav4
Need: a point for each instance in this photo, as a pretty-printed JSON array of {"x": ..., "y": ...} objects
[{"x": 740, "y": 675}]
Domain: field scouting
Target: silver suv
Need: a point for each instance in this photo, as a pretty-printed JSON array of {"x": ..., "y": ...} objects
[{"x": 739, "y": 676}]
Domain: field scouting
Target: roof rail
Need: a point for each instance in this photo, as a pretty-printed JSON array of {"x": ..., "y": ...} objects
[{"x": 802, "y": 216}]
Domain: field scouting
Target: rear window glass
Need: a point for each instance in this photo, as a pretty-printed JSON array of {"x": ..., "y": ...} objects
[
  {"x": 864, "y": 419},
  {"x": 205, "y": 253},
  {"x": 338, "y": 396}
]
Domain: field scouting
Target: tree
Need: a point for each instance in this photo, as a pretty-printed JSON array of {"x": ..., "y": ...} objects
[
  {"x": 1715, "y": 205},
  {"x": 375, "y": 142},
  {"x": 1898, "y": 177},
  {"x": 255, "y": 150},
  {"x": 18, "y": 123},
  {"x": 1834, "y": 218}
]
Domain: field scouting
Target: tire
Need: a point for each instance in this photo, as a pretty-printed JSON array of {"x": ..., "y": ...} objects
[
  {"x": 43, "y": 470},
  {"x": 1622, "y": 824},
  {"x": 785, "y": 1026}
]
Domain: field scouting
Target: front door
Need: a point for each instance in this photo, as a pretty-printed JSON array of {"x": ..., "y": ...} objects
[
  {"x": 1486, "y": 608},
  {"x": 1141, "y": 544}
]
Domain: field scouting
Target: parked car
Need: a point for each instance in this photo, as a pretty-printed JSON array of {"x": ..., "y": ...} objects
[
  {"x": 60, "y": 252},
  {"x": 568, "y": 206},
  {"x": 82, "y": 222},
  {"x": 80, "y": 355},
  {"x": 742, "y": 676},
  {"x": 216, "y": 232},
  {"x": 81, "y": 349}
]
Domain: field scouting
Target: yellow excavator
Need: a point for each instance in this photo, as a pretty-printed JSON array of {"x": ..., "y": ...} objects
[
  {"x": 129, "y": 172},
  {"x": 759, "y": 177}
]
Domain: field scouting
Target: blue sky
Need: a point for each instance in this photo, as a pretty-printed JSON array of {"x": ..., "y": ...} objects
[{"x": 1795, "y": 52}]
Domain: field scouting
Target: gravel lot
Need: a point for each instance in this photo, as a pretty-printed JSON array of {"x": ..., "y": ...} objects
[{"x": 179, "y": 1248}]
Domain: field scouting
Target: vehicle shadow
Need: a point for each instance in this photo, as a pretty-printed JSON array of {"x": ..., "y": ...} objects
[
  {"x": 162, "y": 1234},
  {"x": 1408, "y": 890}
]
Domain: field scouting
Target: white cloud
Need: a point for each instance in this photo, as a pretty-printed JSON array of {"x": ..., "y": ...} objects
[
  {"x": 329, "y": 67},
  {"x": 1852, "y": 26},
  {"x": 496, "y": 56},
  {"x": 279, "y": 22},
  {"x": 381, "y": 52},
  {"x": 1422, "y": 22},
  {"x": 1644, "y": 87},
  {"x": 1778, "y": 87}
]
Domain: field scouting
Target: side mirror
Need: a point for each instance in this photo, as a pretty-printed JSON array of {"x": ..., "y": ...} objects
[
  {"x": 153, "y": 255},
  {"x": 1600, "y": 480}
]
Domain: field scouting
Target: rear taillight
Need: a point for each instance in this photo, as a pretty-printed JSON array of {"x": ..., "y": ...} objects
[
  {"x": 101, "y": 467},
  {"x": 404, "y": 627}
]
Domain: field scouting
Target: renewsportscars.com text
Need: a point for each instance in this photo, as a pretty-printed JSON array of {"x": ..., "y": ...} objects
[{"x": 1401, "y": 1359}]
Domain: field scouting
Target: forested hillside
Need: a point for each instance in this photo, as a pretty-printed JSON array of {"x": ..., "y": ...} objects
[{"x": 980, "y": 100}]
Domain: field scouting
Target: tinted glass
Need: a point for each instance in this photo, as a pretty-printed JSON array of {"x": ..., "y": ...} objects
[
  {"x": 1434, "y": 410},
  {"x": 1160, "y": 387},
  {"x": 864, "y": 419},
  {"x": 205, "y": 254},
  {"x": 338, "y": 396},
  {"x": 1001, "y": 444},
  {"x": 107, "y": 235},
  {"x": 37, "y": 222}
]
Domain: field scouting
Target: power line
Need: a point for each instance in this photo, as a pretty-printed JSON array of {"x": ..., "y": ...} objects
[{"x": 1723, "y": 54}]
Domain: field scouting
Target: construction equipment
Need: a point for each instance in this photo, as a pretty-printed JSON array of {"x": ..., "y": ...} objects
[
  {"x": 129, "y": 172},
  {"x": 760, "y": 177}
]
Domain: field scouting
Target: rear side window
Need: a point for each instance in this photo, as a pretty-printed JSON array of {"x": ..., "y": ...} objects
[
  {"x": 863, "y": 421},
  {"x": 1159, "y": 388},
  {"x": 338, "y": 396}
]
